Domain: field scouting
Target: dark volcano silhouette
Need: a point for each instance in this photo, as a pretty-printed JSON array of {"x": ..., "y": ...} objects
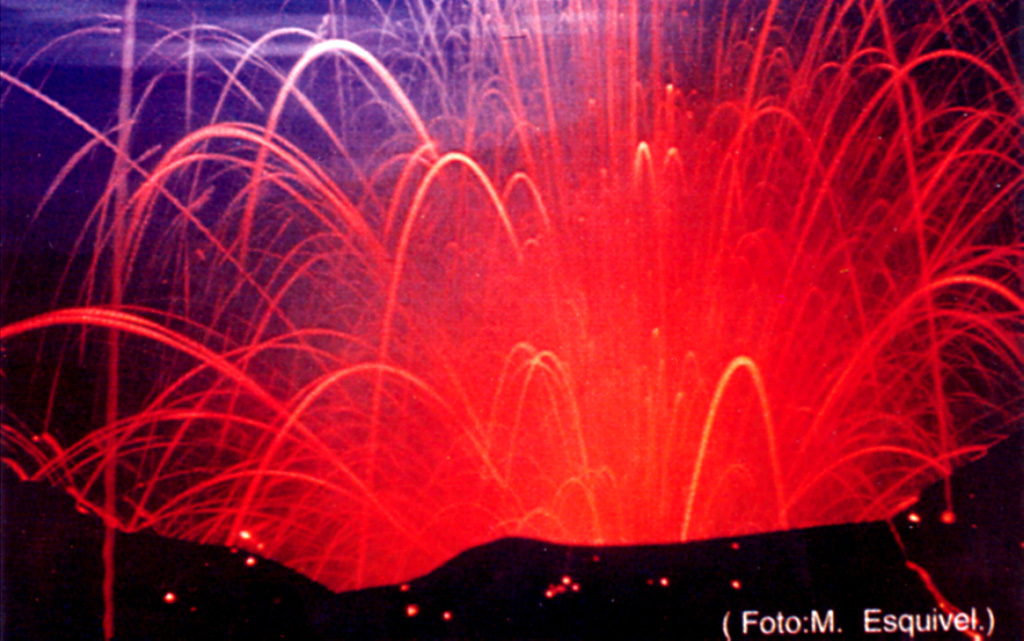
[{"x": 822, "y": 580}]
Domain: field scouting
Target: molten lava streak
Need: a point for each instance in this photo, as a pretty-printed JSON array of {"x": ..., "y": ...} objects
[{"x": 659, "y": 272}]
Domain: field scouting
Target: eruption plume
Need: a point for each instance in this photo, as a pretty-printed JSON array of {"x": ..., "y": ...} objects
[{"x": 364, "y": 295}]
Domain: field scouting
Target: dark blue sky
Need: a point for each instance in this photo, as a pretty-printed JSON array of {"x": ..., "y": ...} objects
[{"x": 29, "y": 25}]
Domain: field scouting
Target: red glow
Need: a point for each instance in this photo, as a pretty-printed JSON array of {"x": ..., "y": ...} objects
[
  {"x": 628, "y": 284},
  {"x": 170, "y": 597}
]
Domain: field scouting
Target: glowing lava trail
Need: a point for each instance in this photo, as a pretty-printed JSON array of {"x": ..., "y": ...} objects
[{"x": 367, "y": 296}]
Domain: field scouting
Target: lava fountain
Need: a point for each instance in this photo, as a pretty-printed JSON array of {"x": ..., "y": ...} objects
[{"x": 364, "y": 293}]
